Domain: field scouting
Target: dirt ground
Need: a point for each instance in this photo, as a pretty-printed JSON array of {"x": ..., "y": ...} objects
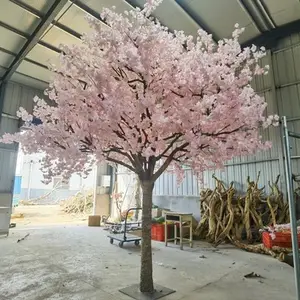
[{"x": 44, "y": 215}]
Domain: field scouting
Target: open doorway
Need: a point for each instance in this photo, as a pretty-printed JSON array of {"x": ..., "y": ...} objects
[{"x": 59, "y": 202}]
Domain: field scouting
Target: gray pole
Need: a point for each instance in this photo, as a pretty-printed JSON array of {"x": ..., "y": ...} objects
[{"x": 290, "y": 194}]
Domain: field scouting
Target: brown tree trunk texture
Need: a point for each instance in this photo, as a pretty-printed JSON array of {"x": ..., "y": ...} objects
[
  {"x": 137, "y": 196},
  {"x": 146, "y": 276}
]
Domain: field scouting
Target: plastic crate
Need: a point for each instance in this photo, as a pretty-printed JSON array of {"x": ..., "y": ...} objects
[
  {"x": 282, "y": 239},
  {"x": 158, "y": 232}
]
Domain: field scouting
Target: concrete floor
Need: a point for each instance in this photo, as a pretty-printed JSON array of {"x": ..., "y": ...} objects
[{"x": 78, "y": 262}]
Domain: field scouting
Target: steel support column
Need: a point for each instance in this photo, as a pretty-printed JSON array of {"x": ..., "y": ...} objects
[
  {"x": 290, "y": 192},
  {"x": 197, "y": 19},
  {"x": 40, "y": 15},
  {"x": 276, "y": 102}
]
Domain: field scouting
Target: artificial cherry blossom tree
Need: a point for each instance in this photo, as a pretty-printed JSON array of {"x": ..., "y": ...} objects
[{"x": 136, "y": 95}]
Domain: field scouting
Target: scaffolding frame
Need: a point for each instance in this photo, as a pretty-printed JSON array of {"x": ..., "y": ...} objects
[{"x": 286, "y": 135}]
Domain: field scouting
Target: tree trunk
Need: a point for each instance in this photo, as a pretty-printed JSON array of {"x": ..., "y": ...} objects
[
  {"x": 146, "y": 279},
  {"x": 137, "y": 196}
]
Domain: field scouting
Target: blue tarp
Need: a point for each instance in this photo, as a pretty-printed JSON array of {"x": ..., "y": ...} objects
[
  {"x": 17, "y": 189},
  {"x": 17, "y": 185}
]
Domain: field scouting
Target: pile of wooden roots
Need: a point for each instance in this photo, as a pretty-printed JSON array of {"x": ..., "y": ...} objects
[
  {"x": 227, "y": 216},
  {"x": 80, "y": 203}
]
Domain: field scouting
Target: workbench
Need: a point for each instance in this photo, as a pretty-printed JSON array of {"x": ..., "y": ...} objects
[{"x": 184, "y": 220}]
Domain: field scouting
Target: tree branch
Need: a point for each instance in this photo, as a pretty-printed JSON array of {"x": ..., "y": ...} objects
[
  {"x": 168, "y": 161},
  {"x": 59, "y": 145},
  {"x": 146, "y": 138},
  {"x": 116, "y": 161},
  {"x": 177, "y": 158},
  {"x": 119, "y": 151},
  {"x": 120, "y": 135},
  {"x": 177, "y": 94},
  {"x": 135, "y": 80},
  {"x": 138, "y": 161},
  {"x": 223, "y": 132},
  {"x": 229, "y": 132},
  {"x": 170, "y": 137},
  {"x": 169, "y": 147}
]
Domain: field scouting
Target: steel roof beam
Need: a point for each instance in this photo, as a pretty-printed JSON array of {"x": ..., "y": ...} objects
[
  {"x": 88, "y": 10},
  {"x": 27, "y": 36},
  {"x": 132, "y": 4},
  {"x": 33, "y": 78},
  {"x": 34, "y": 38},
  {"x": 258, "y": 13},
  {"x": 7, "y": 51},
  {"x": 25, "y": 75},
  {"x": 39, "y": 15},
  {"x": 265, "y": 13},
  {"x": 25, "y": 59},
  {"x": 197, "y": 19},
  {"x": 248, "y": 11},
  {"x": 269, "y": 39}
]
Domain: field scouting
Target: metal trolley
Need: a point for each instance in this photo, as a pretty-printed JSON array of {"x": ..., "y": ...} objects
[{"x": 123, "y": 228}]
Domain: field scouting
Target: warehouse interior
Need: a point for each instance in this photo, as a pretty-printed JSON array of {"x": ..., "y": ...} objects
[{"x": 77, "y": 262}]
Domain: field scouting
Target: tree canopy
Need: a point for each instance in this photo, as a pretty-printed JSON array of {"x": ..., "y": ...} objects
[{"x": 134, "y": 93}]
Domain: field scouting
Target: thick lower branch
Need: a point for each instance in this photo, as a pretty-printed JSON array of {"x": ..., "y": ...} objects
[
  {"x": 119, "y": 151},
  {"x": 116, "y": 161},
  {"x": 138, "y": 162}
]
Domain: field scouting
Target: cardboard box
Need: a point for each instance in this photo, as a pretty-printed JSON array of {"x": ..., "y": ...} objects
[{"x": 94, "y": 220}]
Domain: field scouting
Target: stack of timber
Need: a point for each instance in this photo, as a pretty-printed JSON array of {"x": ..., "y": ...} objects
[{"x": 80, "y": 203}]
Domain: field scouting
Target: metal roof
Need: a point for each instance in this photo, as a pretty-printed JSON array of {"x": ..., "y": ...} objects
[{"x": 31, "y": 31}]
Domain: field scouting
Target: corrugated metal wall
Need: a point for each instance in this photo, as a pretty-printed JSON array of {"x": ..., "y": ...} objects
[
  {"x": 15, "y": 95},
  {"x": 167, "y": 185},
  {"x": 286, "y": 59},
  {"x": 183, "y": 197}
]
